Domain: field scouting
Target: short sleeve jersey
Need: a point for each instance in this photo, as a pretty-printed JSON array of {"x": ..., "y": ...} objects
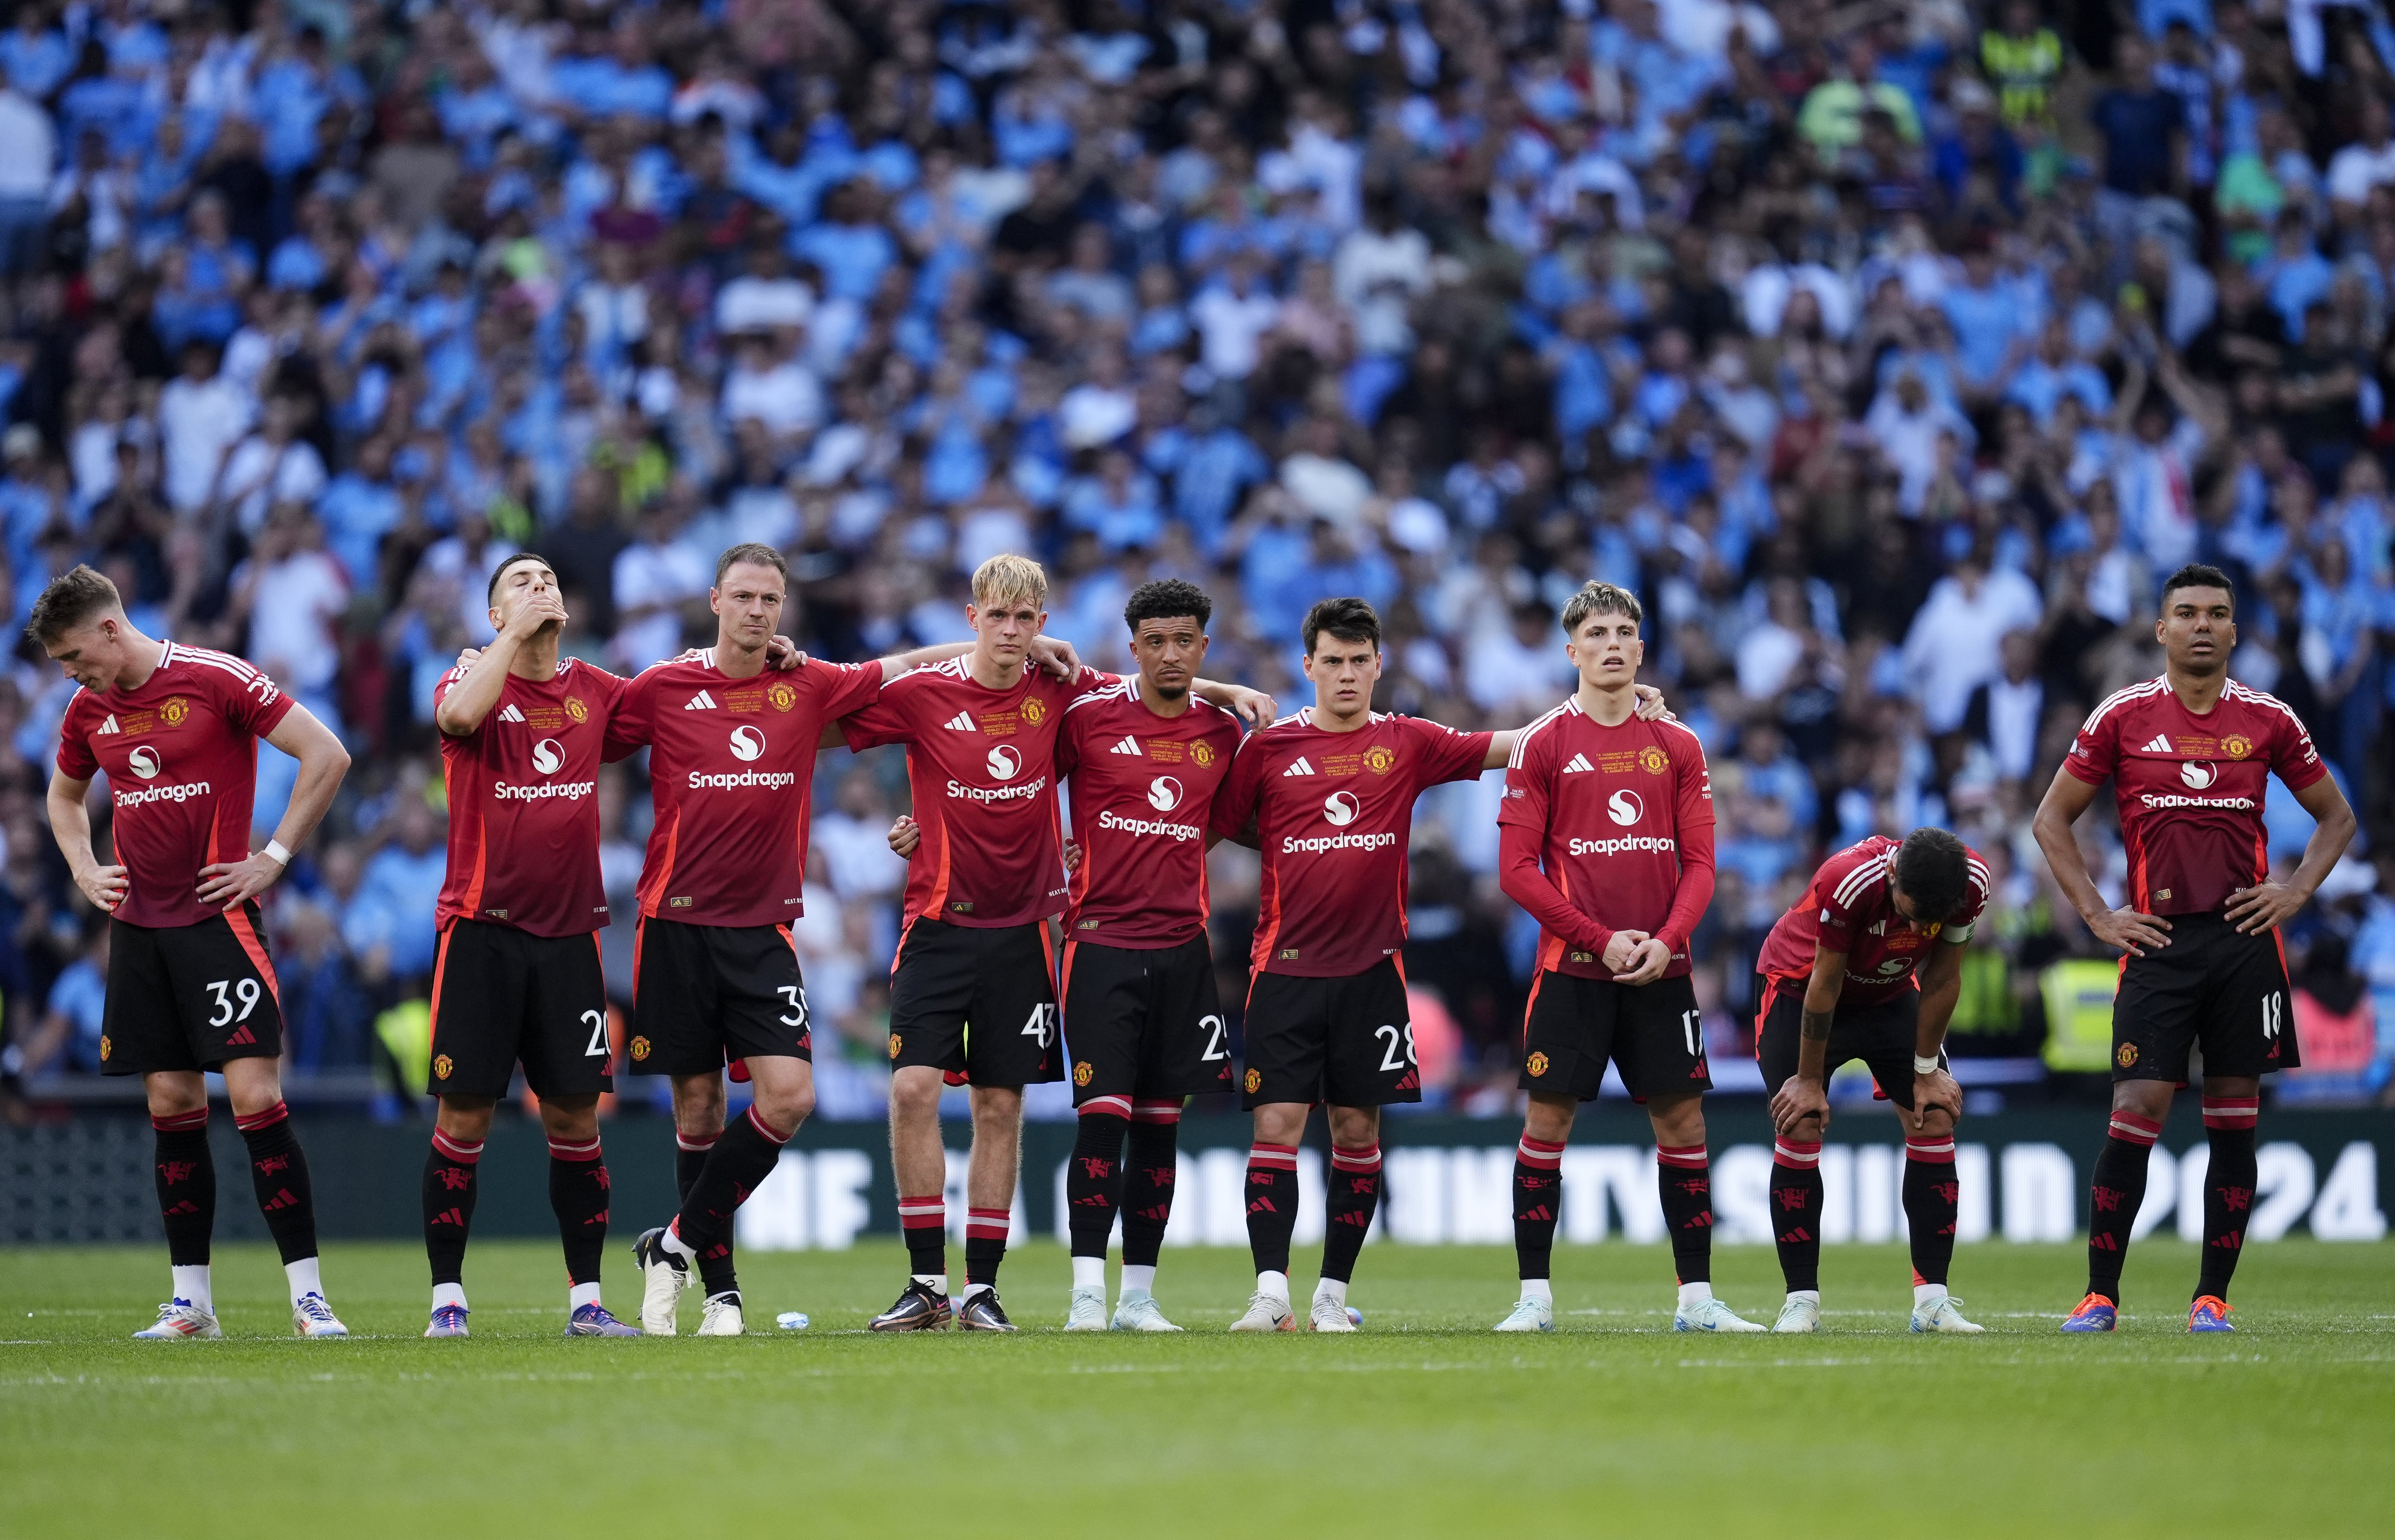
[
  {"x": 2191, "y": 789},
  {"x": 982, "y": 765},
  {"x": 523, "y": 804},
  {"x": 180, "y": 751},
  {"x": 1846, "y": 909},
  {"x": 732, "y": 768},
  {"x": 1334, "y": 813},
  {"x": 1610, "y": 804},
  {"x": 1142, "y": 789}
]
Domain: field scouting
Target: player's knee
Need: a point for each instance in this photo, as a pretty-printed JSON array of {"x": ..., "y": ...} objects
[
  {"x": 575, "y": 1118},
  {"x": 997, "y": 1107},
  {"x": 1354, "y": 1126},
  {"x": 465, "y": 1118},
  {"x": 698, "y": 1105},
  {"x": 1678, "y": 1120},
  {"x": 175, "y": 1095},
  {"x": 915, "y": 1092},
  {"x": 1548, "y": 1119},
  {"x": 1937, "y": 1123},
  {"x": 2150, "y": 1099},
  {"x": 788, "y": 1107}
]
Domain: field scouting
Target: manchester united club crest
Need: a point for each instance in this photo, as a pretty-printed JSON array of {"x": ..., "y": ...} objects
[
  {"x": 1377, "y": 759},
  {"x": 1034, "y": 710},
  {"x": 2126, "y": 1055},
  {"x": 781, "y": 696},
  {"x": 1255, "y": 1079},
  {"x": 575, "y": 709},
  {"x": 1654, "y": 761},
  {"x": 442, "y": 1066},
  {"x": 895, "y": 1043},
  {"x": 174, "y": 712},
  {"x": 106, "y": 1047},
  {"x": 1535, "y": 1064},
  {"x": 1081, "y": 1073},
  {"x": 2237, "y": 745},
  {"x": 640, "y": 1048},
  {"x": 1202, "y": 753}
]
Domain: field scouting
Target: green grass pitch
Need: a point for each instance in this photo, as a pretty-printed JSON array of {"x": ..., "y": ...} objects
[{"x": 1427, "y": 1424}]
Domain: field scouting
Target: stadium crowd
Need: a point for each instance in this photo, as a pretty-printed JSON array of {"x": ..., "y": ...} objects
[{"x": 1890, "y": 352}]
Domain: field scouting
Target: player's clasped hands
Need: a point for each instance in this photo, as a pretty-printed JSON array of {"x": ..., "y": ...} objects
[
  {"x": 1636, "y": 958},
  {"x": 2127, "y": 931}
]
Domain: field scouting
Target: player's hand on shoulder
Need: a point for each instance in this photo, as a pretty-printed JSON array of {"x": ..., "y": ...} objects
[
  {"x": 2263, "y": 907},
  {"x": 1800, "y": 1107},
  {"x": 2127, "y": 931},
  {"x": 1056, "y": 656},
  {"x": 782, "y": 653},
  {"x": 1647, "y": 962},
  {"x": 1254, "y": 707},
  {"x": 226, "y": 882},
  {"x": 104, "y": 886},
  {"x": 905, "y": 836},
  {"x": 1651, "y": 705}
]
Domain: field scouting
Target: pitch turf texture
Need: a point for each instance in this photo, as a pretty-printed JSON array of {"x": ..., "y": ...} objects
[{"x": 1425, "y": 1424}]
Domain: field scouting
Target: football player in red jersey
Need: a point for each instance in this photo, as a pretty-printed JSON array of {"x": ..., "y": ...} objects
[
  {"x": 1608, "y": 839},
  {"x": 189, "y": 986},
  {"x": 1867, "y": 964},
  {"x": 2189, "y": 756}
]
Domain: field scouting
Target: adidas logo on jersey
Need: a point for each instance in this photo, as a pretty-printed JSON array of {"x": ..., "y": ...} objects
[
  {"x": 1128, "y": 746},
  {"x": 960, "y": 722},
  {"x": 700, "y": 701},
  {"x": 110, "y": 726},
  {"x": 1578, "y": 762},
  {"x": 1301, "y": 767},
  {"x": 509, "y": 714},
  {"x": 2160, "y": 746}
]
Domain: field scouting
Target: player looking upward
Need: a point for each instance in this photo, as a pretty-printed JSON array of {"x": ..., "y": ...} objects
[
  {"x": 190, "y": 988},
  {"x": 981, "y": 734},
  {"x": 1142, "y": 1028},
  {"x": 1608, "y": 839},
  {"x": 733, "y": 743},
  {"x": 1867, "y": 965},
  {"x": 2191, "y": 755},
  {"x": 518, "y": 977}
]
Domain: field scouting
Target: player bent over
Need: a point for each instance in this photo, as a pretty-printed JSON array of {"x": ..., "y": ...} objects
[
  {"x": 190, "y": 988},
  {"x": 1608, "y": 838},
  {"x": 518, "y": 977},
  {"x": 1867, "y": 964},
  {"x": 2191, "y": 755}
]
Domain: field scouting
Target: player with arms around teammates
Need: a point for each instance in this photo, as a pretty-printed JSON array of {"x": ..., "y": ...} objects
[
  {"x": 1608, "y": 839},
  {"x": 190, "y": 988},
  {"x": 733, "y": 743},
  {"x": 981, "y": 733},
  {"x": 1867, "y": 964},
  {"x": 1143, "y": 1026},
  {"x": 517, "y": 978},
  {"x": 2189, "y": 754}
]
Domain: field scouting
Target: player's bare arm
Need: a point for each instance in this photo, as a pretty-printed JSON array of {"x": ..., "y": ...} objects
[
  {"x": 1941, "y": 988},
  {"x": 322, "y": 762},
  {"x": 71, "y": 827},
  {"x": 1806, "y": 1097},
  {"x": 525, "y": 610},
  {"x": 2268, "y": 905},
  {"x": 2123, "y": 930}
]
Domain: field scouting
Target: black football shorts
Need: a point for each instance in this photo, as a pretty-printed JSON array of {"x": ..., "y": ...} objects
[
  {"x": 1347, "y": 1041},
  {"x": 503, "y": 996},
  {"x": 1652, "y": 1031},
  {"x": 1881, "y": 1035},
  {"x": 190, "y": 997},
  {"x": 707, "y": 994},
  {"x": 977, "y": 1002},
  {"x": 2210, "y": 987},
  {"x": 1145, "y": 1022}
]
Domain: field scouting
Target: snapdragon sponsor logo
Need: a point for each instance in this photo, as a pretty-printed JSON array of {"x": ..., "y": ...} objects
[
  {"x": 986, "y": 794},
  {"x": 1290, "y": 846},
  {"x": 1182, "y": 832},
  {"x": 1625, "y": 846},
  {"x": 2238, "y": 804},
  {"x": 735, "y": 780},
  {"x": 573, "y": 791},
  {"x": 177, "y": 792}
]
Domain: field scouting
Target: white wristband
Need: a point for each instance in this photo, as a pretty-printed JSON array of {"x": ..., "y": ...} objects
[
  {"x": 1924, "y": 1066},
  {"x": 276, "y": 853}
]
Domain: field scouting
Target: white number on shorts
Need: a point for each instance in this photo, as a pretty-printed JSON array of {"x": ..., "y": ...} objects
[
  {"x": 1398, "y": 1037},
  {"x": 244, "y": 989},
  {"x": 1214, "y": 1048},
  {"x": 1041, "y": 1024},
  {"x": 798, "y": 1002},
  {"x": 598, "y": 1048},
  {"x": 2272, "y": 1004},
  {"x": 1689, "y": 1022}
]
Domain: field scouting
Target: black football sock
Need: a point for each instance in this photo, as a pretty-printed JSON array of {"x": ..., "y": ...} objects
[
  {"x": 2113, "y": 1196},
  {"x": 578, "y": 1196},
  {"x": 1355, "y": 1195},
  {"x": 1933, "y": 1204},
  {"x": 924, "y": 1222},
  {"x": 716, "y": 1274},
  {"x": 186, "y": 1173},
  {"x": 1272, "y": 1204},
  {"x": 985, "y": 1244},
  {"x": 450, "y": 1166},
  {"x": 278, "y": 1171},
  {"x": 1150, "y": 1165},
  {"x": 2228, "y": 1185},
  {"x": 1093, "y": 1182},
  {"x": 1797, "y": 1211},
  {"x": 738, "y": 1164},
  {"x": 1537, "y": 1199},
  {"x": 1684, "y": 1177}
]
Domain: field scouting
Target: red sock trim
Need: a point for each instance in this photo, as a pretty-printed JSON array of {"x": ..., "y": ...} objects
[
  {"x": 694, "y": 1143},
  {"x": 987, "y": 1224},
  {"x": 1106, "y": 1106},
  {"x": 1539, "y": 1154},
  {"x": 766, "y": 1130},
  {"x": 1282, "y": 1157},
  {"x": 1366, "y": 1159},
  {"x": 258, "y": 1121},
  {"x": 180, "y": 1123},
  {"x": 452, "y": 1150},
  {"x": 922, "y": 1213},
  {"x": 1797, "y": 1156},
  {"x": 1156, "y": 1112},
  {"x": 1688, "y": 1156},
  {"x": 2231, "y": 1112},
  {"x": 566, "y": 1150},
  {"x": 1930, "y": 1151},
  {"x": 2129, "y": 1128}
]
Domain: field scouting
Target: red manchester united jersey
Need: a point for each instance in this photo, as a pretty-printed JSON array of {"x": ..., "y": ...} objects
[
  {"x": 1333, "y": 811},
  {"x": 982, "y": 765},
  {"x": 732, "y": 768},
  {"x": 1846, "y": 909},
  {"x": 2191, "y": 788},
  {"x": 523, "y": 804},
  {"x": 1143, "y": 788},
  {"x": 181, "y": 757},
  {"x": 1612, "y": 805}
]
